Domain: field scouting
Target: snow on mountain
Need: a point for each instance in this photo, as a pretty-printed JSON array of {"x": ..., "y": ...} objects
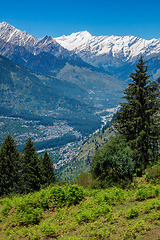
[
  {"x": 114, "y": 54},
  {"x": 75, "y": 40},
  {"x": 13, "y": 36},
  {"x": 89, "y": 47}
]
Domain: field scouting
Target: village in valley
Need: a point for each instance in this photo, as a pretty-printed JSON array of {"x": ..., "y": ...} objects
[{"x": 21, "y": 129}]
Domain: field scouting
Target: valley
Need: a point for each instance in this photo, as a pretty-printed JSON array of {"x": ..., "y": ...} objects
[
  {"x": 65, "y": 172},
  {"x": 62, "y": 91},
  {"x": 62, "y": 142},
  {"x": 23, "y": 129}
]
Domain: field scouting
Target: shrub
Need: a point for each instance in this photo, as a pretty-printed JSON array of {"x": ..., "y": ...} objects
[
  {"x": 6, "y": 208},
  {"x": 154, "y": 204},
  {"x": 153, "y": 174},
  {"x": 146, "y": 191},
  {"x": 92, "y": 213},
  {"x": 58, "y": 196},
  {"x": 86, "y": 180},
  {"x": 132, "y": 213},
  {"x": 48, "y": 230},
  {"x": 68, "y": 195},
  {"x": 27, "y": 214},
  {"x": 111, "y": 196},
  {"x": 75, "y": 194}
]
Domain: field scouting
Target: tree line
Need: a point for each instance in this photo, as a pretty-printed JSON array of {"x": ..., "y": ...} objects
[{"x": 23, "y": 172}]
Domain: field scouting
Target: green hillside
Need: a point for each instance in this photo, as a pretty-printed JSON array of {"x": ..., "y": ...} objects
[
  {"x": 72, "y": 212},
  {"x": 84, "y": 159},
  {"x": 22, "y": 88},
  {"x": 104, "y": 90},
  {"x": 24, "y": 92}
]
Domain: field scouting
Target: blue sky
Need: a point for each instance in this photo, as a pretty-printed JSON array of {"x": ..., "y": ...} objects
[{"x": 139, "y": 18}]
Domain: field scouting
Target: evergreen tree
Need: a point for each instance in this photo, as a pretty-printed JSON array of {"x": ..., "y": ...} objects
[
  {"x": 9, "y": 166},
  {"x": 30, "y": 168},
  {"x": 47, "y": 170},
  {"x": 137, "y": 119}
]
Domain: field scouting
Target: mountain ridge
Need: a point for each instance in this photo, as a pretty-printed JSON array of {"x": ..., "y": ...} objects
[
  {"x": 43, "y": 55},
  {"x": 16, "y": 37},
  {"x": 111, "y": 53},
  {"x": 103, "y": 44}
]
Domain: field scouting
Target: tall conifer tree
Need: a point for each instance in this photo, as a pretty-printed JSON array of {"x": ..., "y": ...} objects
[
  {"x": 137, "y": 119},
  {"x": 9, "y": 166},
  {"x": 31, "y": 171},
  {"x": 47, "y": 170}
]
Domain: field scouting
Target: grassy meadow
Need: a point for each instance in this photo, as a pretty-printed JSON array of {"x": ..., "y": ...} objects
[{"x": 70, "y": 211}]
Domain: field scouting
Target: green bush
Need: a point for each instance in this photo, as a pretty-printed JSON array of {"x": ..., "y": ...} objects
[
  {"x": 152, "y": 204},
  {"x": 48, "y": 230},
  {"x": 75, "y": 194},
  {"x": 132, "y": 213},
  {"x": 92, "y": 213},
  {"x": 72, "y": 194},
  {"x": 111, "y": 196},
  {"x": 146, "y": 191},
  {"x": 26, "y": 214},
  {"x": 6, "y": 208},
  {"x": 153, "y": 174},
  {"x": 58, "y": 196}
]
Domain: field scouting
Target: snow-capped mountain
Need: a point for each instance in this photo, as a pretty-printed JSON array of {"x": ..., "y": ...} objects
[
  {"x": 15, "y": 36},
  {"x": 48, "y": 57},
  {"x": 110, "y": 52},
  {"x": 114, "y": 54},
  {"x": 127, "y": 47},
  {"x": 9, "y": 35}
]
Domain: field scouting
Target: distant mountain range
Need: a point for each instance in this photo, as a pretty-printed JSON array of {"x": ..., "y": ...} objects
[
  {"x": 116, "y": 55},
  {"x": 77, "y": 75},
  {"x": 113, "y": 54},
  {"x": 47, "y": 56},
  {"x": 11, "y": 37}
]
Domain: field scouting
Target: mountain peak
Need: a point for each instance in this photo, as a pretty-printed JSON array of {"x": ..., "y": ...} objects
[
  {"x": 7, "y": 29},
  {"x": 74, "y": 40},
  {"x": 84, "y": 33},
  {"x": 126, "y": 47},
  {"x": 5, "y": 24},
  {"x": 47, "y": 38}
]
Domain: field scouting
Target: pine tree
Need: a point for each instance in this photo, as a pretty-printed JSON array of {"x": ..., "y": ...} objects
[
  {"x": 9, "y": 166},
  {"x": 47, "y": 170},
  {"x": 30, "y": 169},
  {"x": 137, "y": 119}
]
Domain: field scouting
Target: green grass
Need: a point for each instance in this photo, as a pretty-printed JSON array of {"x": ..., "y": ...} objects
[{"x": 71, "y": 212}]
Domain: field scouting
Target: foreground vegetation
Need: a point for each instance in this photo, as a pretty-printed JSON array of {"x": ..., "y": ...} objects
[{"x": 74, "y": 212}]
